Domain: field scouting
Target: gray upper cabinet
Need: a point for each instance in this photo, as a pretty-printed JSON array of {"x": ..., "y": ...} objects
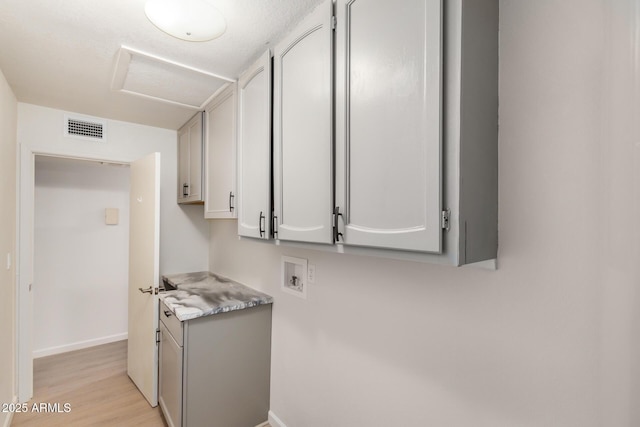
[
  {"x": 220, "y": 155},
  {"x": 386, "y": 142},
  {"x": 254, "y": 150},
  {"x": 417, "y": 129},
  {"x": 190, "y": 158},
  {"x": 388, "y": 116},
  {"x": 303, "y": 130}
]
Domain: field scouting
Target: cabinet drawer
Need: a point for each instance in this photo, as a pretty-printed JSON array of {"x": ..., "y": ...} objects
[{"x": 174, "y": 326}]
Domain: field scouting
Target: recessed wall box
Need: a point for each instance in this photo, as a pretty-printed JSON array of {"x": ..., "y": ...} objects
[{"x": 294, "y": 276}]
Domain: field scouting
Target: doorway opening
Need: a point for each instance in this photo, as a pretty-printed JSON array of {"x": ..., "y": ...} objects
[
  {"x": 143, "y": 263},
  {"x": 25, "y": 256},
  {"x": 80, "y": 254}
]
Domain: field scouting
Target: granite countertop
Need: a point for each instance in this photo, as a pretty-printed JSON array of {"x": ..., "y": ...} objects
[{"x": 204, "y": 293}]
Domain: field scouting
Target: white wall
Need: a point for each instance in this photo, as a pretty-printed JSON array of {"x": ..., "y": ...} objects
[
  {"x": 549, "y": 339},
  {"x": 8, "y": 119},
  {"x": 183, "y": 230},
  {"x": 80, "y": 290}
]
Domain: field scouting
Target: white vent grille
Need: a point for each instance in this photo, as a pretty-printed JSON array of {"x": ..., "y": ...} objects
[{"x": 85, "y": 128}]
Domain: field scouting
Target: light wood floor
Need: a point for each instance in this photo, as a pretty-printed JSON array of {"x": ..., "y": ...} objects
[{"x": 94, "y": 382}]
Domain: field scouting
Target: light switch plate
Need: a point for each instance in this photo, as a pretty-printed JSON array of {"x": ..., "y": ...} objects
[
  {"x": 311, "y": 273},
  {"x": 111, "y": 216}
]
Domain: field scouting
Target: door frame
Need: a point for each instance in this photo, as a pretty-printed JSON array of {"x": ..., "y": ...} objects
[{"x": 24, "y": 252}]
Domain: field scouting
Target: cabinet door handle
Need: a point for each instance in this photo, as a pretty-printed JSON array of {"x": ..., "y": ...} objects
[
  {"x": 260, "y": 224},
  {"x": 231, "y": 199},
  {"x": 336, "y": 234},
  {"x": 185, "y": 190},
  {"x": 167, "y": 313},
  {"x": 274, "y": 226}
]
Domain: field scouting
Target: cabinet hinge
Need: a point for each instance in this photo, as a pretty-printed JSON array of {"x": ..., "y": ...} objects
[
  {"x": 157, "y": 336},
  {"x": 333, "y": 23},
  {"x": 445, "y": 219}
]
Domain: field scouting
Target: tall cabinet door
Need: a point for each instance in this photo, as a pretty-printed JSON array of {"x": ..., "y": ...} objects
[
  {"x": 195, "y": 159},
  {"x": 254, "y": 150},
  {"x": 303, "y": 142},
  {"x": 220, "y": 155},
  {"x": 190, "y": 160},
  {"x": 183, "y": 164},
  {"x": 388, "y": 123}
]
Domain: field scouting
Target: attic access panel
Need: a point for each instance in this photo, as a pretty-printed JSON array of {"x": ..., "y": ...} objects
[{"x": 150, "y": 76}]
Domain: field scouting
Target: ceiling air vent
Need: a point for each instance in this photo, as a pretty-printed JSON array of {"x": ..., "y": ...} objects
[{"x": 85, "y": 128}]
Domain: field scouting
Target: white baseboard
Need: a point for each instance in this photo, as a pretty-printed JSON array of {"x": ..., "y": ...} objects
[
  {"x": 7, "y": 421},
  {"x": 275, "y": 421},
  {"x": 78, "y": 345}
]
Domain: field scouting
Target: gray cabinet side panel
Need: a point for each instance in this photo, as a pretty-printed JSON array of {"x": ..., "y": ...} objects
[
  {"x": 479, "y": 132},
  {"x": 227, "y": 369}
]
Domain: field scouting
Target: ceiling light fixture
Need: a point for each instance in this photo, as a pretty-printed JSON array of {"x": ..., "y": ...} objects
[{"x": 191, "y": 20}]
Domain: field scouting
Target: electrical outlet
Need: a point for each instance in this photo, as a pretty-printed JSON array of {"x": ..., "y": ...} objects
[{"x": 311, "y": 273}]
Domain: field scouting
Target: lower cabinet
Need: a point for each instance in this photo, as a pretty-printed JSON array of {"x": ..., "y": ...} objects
[
  {"x": 170, "y": 396},
  {"x": 215, "y": 370}
]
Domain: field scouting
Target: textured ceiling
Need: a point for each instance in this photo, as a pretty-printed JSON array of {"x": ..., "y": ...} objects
[{"x": 62, "y": 53}]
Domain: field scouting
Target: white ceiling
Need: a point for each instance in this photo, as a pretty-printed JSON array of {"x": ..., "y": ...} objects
[{"x": 62, "y": 53}]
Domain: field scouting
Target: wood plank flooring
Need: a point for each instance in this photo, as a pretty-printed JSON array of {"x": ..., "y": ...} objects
[{"x": 95, "y": 384}]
